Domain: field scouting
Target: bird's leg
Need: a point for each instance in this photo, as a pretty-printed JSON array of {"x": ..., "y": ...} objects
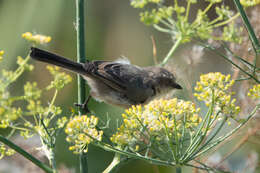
[{"x": 84, "y": 106}]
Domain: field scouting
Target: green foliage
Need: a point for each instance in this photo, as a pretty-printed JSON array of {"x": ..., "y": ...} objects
[
  {"x": 169, "y": 132},
  {"x": 166, "y": 132},
  {"x": 156, "y": 15},
  {"x": 162, "y": 18},
  {"x": 60, "y": 78},
  {"x": 249, "y": 3},
  {"x": 80, "y": 130},
  {"x": 254, "y": 92},
  {"x": 142, "y": 3},
  {"x": 5, "y": 152},
  {"x": 34, "y": 118}
]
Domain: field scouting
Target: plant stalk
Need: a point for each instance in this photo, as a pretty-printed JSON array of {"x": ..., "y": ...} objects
[
  {"x": 249, "y": 27},
  {"x": 178, "y": 169},
  {"x": 26, "y": 154},
  {"x": 113, "y": 165},
  {"x": 80, "y": 24},
  {"x": 172, "y": 50},
  {"x": 53, "y": 161}
]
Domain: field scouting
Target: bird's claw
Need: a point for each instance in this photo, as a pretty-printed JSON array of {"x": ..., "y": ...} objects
[{"x": 83, "y": 107}]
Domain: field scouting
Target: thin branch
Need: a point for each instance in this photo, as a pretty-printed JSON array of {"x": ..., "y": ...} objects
[
  {"x": 172, "y": 50},
  {"x": 26, "y": 154},
  {"x": 249, "y": 27},
  {"x": 223, "y": 138},
  {"x": 227, "y": 59}
]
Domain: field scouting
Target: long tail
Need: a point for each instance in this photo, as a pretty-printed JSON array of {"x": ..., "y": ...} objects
[{"x": 47, "y": 57}]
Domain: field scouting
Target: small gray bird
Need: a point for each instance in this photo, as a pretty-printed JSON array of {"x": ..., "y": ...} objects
[{"x": 120, "y": 84}]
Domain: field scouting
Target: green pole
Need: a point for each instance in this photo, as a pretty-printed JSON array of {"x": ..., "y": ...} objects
[{"x": 80, "y": 22}]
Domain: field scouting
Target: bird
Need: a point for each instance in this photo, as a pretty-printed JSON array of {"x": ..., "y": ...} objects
[{"x": 117, "y": 83}]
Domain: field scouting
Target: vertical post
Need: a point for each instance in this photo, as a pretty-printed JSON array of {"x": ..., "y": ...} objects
[{"x": 80, "y": 26}]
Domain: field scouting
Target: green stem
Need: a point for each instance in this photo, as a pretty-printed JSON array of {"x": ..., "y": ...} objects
[
  {"x": 200, "y": 135},
  {"x": 113, "y": 165},
  {"x": 52, "y": 103},
  {"x": 18, "y": 128},
  {"x": 81, "y": 59},
  {"x": 169, "y": 142},
  {"x": 194, "y": 23},
  {"x": 249, "y": 27},
  {"x": 249, "y": 65},
  {"x": 207, "y": 8},
  {"x": 174, "y": 47},
  {"x": 129, "y": 154},
  {"x": 140, "y": 157},
  {"x": 187, "y": 10},
  {"x": 178, "y": 169},
  {"x": 227, "y": 59},
  {"x": 53, "y": 161},
  {"x": 161, "y": 29},
  {"x": 209, "y": 140},
  {"x": 214, "y": 21},
  {"x": 167, "y": 24},
  {"x": 133, "y": 155},
  {"x": 222, "y": 138},
  {"x": 80, "y": 50},
  {"x": 250, "y": 31},
  {"x": 26, "y": 155},
  {"x": 205, "y": 167},
  {"x": 182, "y": 135},
  {"x": 149, "y": 135},
  {"x": 242, "y": 79},
  {"x": 17, "y": 73},
  {"x": 226, "y": 21},
  {"x": 177, "y": 140}
]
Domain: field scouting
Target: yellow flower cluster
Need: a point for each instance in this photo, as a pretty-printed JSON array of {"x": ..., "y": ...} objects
[
  {"x": 81, "y": 130},
  {"x": 154, "y": 120},
  {"x": 142, "y": 3},
  {"x": 214, "y": 81},
  {"x": 23, "y": 62},
  {"x": 5, "y": 151},
  {"x": 60, "y": 78},
  {"x": 248, "y": 3},
  {"x": 36, "y": 38},
  {"x": 214, "y": 87},
  {"x": 254, "y": 92},
  {"x": 1, "y": 54}
]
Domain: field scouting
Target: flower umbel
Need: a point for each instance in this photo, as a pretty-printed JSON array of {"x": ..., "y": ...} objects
[
  {"x": 60, "y": 78},
  {"x": 157, "y": 124},
  {"x": 248, "y": 3},
  {"x": 81, "y": 130},
  {"x": 36, "y": 38},
  {"x": 5, "y": 151},
  {"x": 217, "y": 85},
  {"x": 254, "y": 92},
  {"x": 172, "y": 129}
]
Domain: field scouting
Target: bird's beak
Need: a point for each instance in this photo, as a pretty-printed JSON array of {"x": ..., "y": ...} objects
[{"x": 177, "y": 86}]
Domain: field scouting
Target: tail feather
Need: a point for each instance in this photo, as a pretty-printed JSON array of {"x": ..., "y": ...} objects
[{"x": 47, "y": 57}]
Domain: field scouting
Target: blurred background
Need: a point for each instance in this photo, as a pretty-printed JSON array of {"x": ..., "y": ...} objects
[{"x": 113, "y": 29}]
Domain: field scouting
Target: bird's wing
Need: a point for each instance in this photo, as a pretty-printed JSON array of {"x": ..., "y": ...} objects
[
  {"x": 126, "y": 79},
  {"x": 117, "y": 75}
]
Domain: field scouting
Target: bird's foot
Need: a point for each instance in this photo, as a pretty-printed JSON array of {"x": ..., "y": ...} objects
[{"x": 84, "y": 106}]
